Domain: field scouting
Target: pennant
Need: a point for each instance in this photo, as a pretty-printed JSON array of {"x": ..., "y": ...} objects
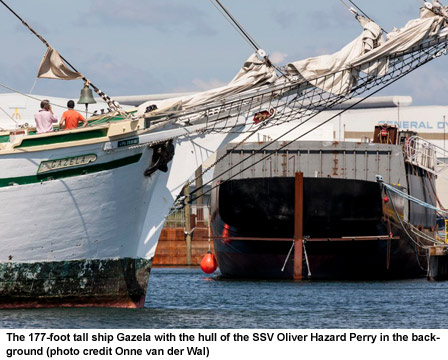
[{"x": 53, "y": 67}]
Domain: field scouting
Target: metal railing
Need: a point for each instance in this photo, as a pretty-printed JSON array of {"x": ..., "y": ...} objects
[{"x": 426, "y": 155}]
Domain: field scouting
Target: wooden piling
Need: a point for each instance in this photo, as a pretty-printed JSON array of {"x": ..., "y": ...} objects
[
  {"x": 199, "y": 198},
  {"x": 188, "y": 223},
  {"x": 298, "y": 226}
]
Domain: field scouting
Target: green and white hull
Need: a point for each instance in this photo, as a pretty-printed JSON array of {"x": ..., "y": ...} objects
[{"x": 80, "y": 220}]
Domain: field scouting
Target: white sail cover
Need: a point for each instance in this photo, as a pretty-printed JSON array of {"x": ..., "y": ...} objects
[
  {"x": 400, "y": 40},
  {"x": 316, "y": 69},
  {"x": 53, "y": 67},
  {"x": 337, "y": 73},
  {"x": 369, "y": 53},
  {"x": 254, "y": 73}
]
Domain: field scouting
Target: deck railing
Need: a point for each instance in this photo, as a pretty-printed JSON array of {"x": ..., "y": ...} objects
[{"x": 426, "y": 155}]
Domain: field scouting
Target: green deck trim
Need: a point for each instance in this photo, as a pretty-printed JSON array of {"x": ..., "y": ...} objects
[
  {"x": 62, "y": 138},
  {"x": 81, "y": 170},
  {"x": 4, "y": 138}
]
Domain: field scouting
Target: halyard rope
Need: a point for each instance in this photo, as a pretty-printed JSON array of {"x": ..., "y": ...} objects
[{"x": 414, "y": 199}]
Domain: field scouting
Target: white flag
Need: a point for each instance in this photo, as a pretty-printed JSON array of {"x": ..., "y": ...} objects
[{"x": 53, "y": 67}]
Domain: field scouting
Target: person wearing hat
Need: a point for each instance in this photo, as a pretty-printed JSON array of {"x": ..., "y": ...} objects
[{"x": 71, "y": 118}]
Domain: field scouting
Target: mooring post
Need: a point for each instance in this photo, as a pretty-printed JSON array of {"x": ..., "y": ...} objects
[
  {"x": 298, "y": 226},
  {"x": 199, "y": 200}
]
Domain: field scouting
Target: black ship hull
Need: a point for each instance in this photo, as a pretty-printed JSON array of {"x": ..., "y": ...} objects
[{"x": 347, "y": 235}]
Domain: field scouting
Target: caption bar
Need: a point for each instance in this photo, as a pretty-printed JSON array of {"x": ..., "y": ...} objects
[{"x": 217, "y": 344}]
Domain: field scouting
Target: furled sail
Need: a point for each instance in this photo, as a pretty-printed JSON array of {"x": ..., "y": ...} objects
[
  {"x": 313, "y": 85},
  {"x": 254, "y": 73},
  {"x": 338, "y": 73},
  {"x": 53, "y": 67},
  {"x": 316, "y": 69},
  {"x": 401, "y": 40}
]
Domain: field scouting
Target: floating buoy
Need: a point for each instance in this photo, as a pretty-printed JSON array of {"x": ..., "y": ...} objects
[
  {"x": 208, "y": 263},
  {"x": 386, "y": 199}
]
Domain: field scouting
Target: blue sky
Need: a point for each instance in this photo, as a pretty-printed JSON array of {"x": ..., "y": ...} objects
[{"x": 155, "y": 46}]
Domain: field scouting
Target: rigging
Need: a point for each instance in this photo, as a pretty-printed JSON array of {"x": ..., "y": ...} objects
[
  {"x": 229, "y": 17},
  {"x": 403, "y": 70},
  {"x": 113, "y": 104},
  {"x": 353, "y": 11},
  {"x": 246, "y": 36}
]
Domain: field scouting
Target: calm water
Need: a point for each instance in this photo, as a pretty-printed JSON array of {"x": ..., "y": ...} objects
[{"x": 185, "y": 298}]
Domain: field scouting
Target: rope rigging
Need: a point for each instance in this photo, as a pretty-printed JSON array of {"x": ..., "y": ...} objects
[
  {"x": 353, "y": 11},
  {"x": 7, "y": 114},
  {"x": 329, "y": 106},
  {"x": 28, "y": 95},
  {"x": 229, "y": 17},
  {"x": 31, "y": 96},
  {"x": 414, "y": 199},
  {"x": 245, "y": 35},
  {"x": 291, "y": 101},
  {"x": 192, "y": 181},
  {"x": 436, "y": 7},
  {"x": 112, "y": 104},
  {"x": 311, "y": 100},
  {"x": 416, "y": 244}
]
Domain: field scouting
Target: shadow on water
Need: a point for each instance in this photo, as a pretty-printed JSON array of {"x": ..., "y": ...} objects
[{"x": 186, "y": 298}]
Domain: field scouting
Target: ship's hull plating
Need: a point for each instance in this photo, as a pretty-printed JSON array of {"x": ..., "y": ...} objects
[
  {"x": 343, "y": 219},
  {"x": 75, "y": 283}
]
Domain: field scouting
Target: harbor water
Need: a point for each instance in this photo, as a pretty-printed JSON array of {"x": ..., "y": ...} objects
[{"x": 186, "y": 298}]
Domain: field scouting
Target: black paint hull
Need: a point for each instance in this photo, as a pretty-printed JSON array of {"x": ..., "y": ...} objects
[{"x": 337, "y": 209}]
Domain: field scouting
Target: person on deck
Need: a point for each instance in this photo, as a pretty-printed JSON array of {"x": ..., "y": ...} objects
[
  {"x": 45, "y": 118},
  {"x": 71, "y": 118}
]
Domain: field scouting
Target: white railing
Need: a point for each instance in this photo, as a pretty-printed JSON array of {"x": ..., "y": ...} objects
[{"x": 426, "y": 155}]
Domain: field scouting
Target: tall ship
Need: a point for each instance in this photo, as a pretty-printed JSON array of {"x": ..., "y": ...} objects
[{"x": 82, "y": 210}]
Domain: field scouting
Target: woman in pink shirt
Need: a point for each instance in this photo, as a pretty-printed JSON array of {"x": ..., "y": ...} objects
[{"x": 45, "y": 118}]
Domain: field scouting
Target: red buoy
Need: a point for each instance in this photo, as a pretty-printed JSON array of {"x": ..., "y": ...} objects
[
  {"x": 386, "y": 199},
  {"x": 208, "y": 263}
]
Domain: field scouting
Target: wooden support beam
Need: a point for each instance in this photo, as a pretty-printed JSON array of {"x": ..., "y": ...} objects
[
  {"x": 187, "y": 223},
  {"x": 298, "y": 226},
  {"x": 199, "y": 198}
]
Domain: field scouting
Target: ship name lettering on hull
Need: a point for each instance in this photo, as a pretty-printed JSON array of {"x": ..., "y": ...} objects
[{"x": 58, "y": 164}]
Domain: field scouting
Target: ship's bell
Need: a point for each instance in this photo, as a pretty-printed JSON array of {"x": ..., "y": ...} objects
[{"x": 86, "y": 96}]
